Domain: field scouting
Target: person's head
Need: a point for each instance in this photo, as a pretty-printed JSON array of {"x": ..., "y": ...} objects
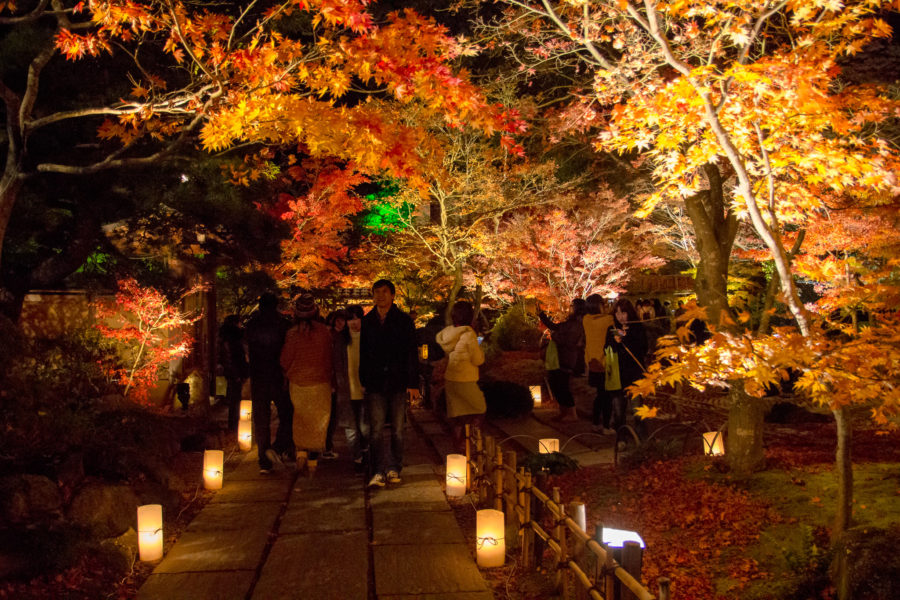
[
  {"x": 268, "y": 302},
  {"x": 383, "y": 292},
  {"x": 579, "y": 307},
  {"x": 657, "y": 307},
  {"x": 354, "y": 317},
  {"x": 623, "y": 311},
  {"x": 305, "y": 308},
  {"x": 336, "y": 320},
  {"x": 595, "y": 304},
  {"x": 462, "y": 313}
]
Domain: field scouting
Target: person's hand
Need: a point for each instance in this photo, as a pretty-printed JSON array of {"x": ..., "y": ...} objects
[{"x": 414, "y": 393}]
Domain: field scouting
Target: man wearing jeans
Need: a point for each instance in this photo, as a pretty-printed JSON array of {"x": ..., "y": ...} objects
[{"x": 388, "y": 371}]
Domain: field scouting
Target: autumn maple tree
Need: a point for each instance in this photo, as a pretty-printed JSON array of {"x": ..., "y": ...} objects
[
  {"x": 150, "y": 331},
  {"x": 322, "y": 76}
]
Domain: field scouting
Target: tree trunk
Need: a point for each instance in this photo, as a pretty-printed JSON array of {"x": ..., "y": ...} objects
[
  {"x": 745, "y": 429},
  {"x": 454, "y": 294},
  {"x": 844, "y": 505}
]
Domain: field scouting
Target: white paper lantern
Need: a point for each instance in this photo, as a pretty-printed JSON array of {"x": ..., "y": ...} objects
[
  {"x": 150, "y": 532},
  {"x": 245, "y": 435},
  {"x": 456, "y": 475},
  {"x": 490, "y": 546},
  {"x": 246, "y": 410},
  {"x": 713, "y": 444},
  {"x": 548, "y": 446},
  {"x": 535, "y": 394},
  {"x": 213, "y": 469}
]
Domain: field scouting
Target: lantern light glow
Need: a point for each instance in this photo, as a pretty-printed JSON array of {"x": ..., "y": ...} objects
[
  {"x": 535, "y": 394},
  {"x": 213, "y": 468},
  {"x": 245, "y": 435},
  {"x": 150, "y": 532},
  {"x": 456, "y": 475},
  {"x": 246, "y": 410},
  {"x": 713, "y": 444},
  {"x": 548, "y": 445},
  {"x": 490, "y": 546},
  {"x": 616, "y": 538}
]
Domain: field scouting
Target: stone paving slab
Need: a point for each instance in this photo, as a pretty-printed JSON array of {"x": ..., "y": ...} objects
[
  {"x": 231, "y": 515},
  {"x": 231, "y": 585},
  {"x": 425, "y": 569},
  {"x": 253, "y": 491},
  {"x": 409, "y": 497},
  {"x": 394, "y": 527},
  {"x": 215, "y": 551},
  {"x": 527, "y": 431},
  {"x": 305, "y": 567},
  {"x": 311, "y": 517}
]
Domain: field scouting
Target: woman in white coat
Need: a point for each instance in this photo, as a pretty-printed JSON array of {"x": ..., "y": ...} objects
[{"x": 465, "y": 400}]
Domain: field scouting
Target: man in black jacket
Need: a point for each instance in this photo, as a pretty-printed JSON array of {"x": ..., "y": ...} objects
[
  {"x": 265, "y": 333},
  {"x": 388, "y": 372}
]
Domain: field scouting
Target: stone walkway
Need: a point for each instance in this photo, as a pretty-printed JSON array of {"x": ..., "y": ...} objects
[{"x": 280, "y": 536}]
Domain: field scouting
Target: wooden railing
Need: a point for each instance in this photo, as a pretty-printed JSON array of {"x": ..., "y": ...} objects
[{"x": 494, "y": 476}]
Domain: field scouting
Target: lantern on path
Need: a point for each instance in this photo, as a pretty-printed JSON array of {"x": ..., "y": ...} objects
[
  {"x": 245, "y": 435},
  {"x": 616, "y": 538},
  {"x": 213, "y": 469},
  {"x": 456, "y": 475},
  {"x": 713, "y": 444},
  {"x": 535, "y": 394},
  {"x": 246, "y": 410},
  {"x": 150, "y": 532},
  {"x": 490, "y": 547},
  {"x": 548, "y": 446}
]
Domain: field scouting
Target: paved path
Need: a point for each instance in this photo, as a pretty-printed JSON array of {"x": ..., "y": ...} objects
[{"x": 281, "y": 536}]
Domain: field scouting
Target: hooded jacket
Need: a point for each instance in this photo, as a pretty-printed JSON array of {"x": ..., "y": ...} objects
[{"x": 463, "y": 352}]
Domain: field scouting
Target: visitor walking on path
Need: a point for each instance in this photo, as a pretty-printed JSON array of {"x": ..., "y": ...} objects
[
  {"x": 358, "y": 432},
  {"x": 596, "y": 324},
  {"x": 388, "y": 371},
  {"x": 465, "y": 400},
  {"x": 306, "y": 361},
  {"x": 341, "y": 413},
  {"x": 628, "y": 341},
  {"x": 233, "y": 362},
  {"x": 568, "y": 339},
  {"x": 265, "y": 332}
]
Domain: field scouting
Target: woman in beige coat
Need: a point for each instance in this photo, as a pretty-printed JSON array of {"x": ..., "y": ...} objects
[{"x": 465, "y": 400}]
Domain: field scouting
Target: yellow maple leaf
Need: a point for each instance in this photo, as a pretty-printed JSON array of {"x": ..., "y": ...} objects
[{"x": 646, "y": 412}]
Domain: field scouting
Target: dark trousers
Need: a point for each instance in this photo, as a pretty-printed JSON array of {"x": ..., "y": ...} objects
[
  {"x": 358, "y": 435},
  {"x": 386, "y": 408},
  {"x": 332, "y": 424},
  {"x": 558, "y": 380},
  {"x": 602, "y": 401},
  {"x": 265, "y": 391},
  {"x": 233, "y": 401}
]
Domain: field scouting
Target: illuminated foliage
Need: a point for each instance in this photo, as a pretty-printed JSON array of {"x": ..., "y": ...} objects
[{"x": 150, "y": 330}]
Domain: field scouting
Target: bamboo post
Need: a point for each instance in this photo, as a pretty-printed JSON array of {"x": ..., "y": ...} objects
[
  {"x": 632, "y": 556},
  {"x": 512, "y": 488},
  {"x": 577, "y": 513},
  {"x": 537, "y": 514},
  {"x": 468, "y": 457},
  {"x": 526, "y": 499},
  {"x": 479, "y": 457},
  {"x": 607, "y": 567},
  {"x": 488, "y": 462},
  {"x": 663, "y": 588},
  {"x": 563, "y": 556},
  {"x": 499, "y": 485}
]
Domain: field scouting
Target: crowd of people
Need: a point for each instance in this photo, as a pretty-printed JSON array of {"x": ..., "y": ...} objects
[
  {"x": 356, "y": 371},
  {"x": 611, "y": 344},
  {"x": 352, "y": 371}
]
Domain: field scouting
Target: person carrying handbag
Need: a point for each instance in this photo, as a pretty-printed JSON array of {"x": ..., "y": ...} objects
[{"x": 627, "y": 340}]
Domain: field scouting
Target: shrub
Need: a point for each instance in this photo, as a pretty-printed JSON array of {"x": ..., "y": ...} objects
[
  {"x": 515, "y": 330},
  {"x": 506, "y": 399},
  {"x": 555, "y": 463},
  {"x": 874, "y": 564}
]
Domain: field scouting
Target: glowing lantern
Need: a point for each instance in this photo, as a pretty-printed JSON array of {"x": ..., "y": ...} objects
[
  {"x": 246, "y": 410},
  {"x": 548, "y": 446},
  {"x": 536, "y": 394},
  {"x": 490, "y": 547},
  {"x": 713, "y": 444},
  {"x": 245, "y": 435},
  {"x": 616, "y": 538},
  {"x": 213, "y": 469},
  {"x": 456, "y": 475},
  {"x": 423, "y": 351},
  {"x": 150, "y": 531}
]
